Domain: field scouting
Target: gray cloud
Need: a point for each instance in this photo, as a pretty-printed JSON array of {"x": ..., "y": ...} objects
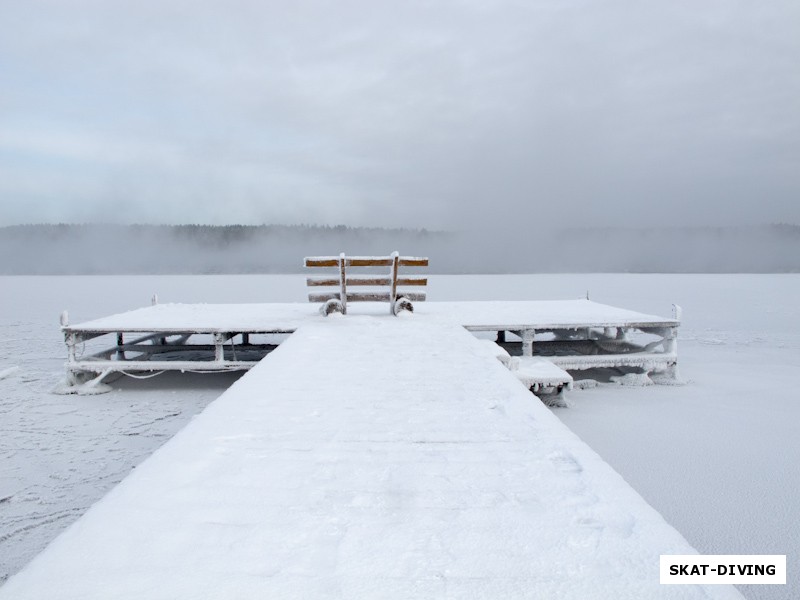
[{"x": 439, "y": 115}]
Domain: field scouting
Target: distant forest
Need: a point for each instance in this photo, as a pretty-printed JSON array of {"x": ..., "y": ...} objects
[{"x": 187, "y": 249}]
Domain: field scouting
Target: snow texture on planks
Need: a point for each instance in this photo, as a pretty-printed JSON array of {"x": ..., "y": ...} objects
[
  {"x": 368, "y": 457},
  {"x": 289, "y": 316}
]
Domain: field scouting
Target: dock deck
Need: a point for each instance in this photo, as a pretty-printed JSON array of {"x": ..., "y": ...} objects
[
  {"x": 287, "y": 317},
  {"x": 367, "y": 457},
  {"x": 573, "y": 334}
]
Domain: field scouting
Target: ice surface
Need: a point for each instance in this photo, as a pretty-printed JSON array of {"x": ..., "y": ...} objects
[{"x": 8, "y": 372}]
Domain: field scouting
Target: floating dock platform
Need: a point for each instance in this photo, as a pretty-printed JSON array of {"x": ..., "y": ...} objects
[
  {"x": 367, "y": 457},
  {"x": 571, "y": 334}
]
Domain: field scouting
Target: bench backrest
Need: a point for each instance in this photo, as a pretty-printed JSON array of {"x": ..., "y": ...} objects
[{"x": 343, "y": 279}]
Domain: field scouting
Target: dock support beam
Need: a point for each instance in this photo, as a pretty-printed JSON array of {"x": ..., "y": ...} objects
[
  {"x": 527, "y": 341},
  {"x": 671, "y": 347},
  {"x": 120, "y": 344},
  {"x": 72, "y": 340},
  {"x": 219, "y": 348}
]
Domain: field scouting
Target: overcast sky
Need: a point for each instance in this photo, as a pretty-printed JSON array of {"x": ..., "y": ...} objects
[{"x": 444, "y": 115}]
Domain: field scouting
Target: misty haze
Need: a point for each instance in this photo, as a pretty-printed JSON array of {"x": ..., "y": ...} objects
[{"x": 192, "y": 249}]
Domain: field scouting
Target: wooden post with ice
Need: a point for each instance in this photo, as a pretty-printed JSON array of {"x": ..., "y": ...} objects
[
  {"x": 671, "y": 344},
  {"x": 219, "y": 348},
  {"x": 398, "y": 300},
  {"x": 527, "y": 341},
  {"x": 393, "y": 275},
  {"x": 342, "y": 283}
]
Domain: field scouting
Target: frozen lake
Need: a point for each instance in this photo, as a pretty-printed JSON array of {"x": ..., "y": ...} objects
[{"x": 717, "y": 457}]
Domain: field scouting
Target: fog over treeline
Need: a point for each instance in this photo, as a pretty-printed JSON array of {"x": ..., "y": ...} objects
[{"x": 196, "y": 249}]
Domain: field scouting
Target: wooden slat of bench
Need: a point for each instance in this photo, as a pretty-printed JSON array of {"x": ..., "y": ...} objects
[
  {"x": 322, "y": 281},
  {"x": 376, "y": 281},
  {"x": 322, "y": 261},
  {"x": 351, "y": 297},
  {"x": 401, "y": 281},
  {"x": 368, "y": 297},
  {"x": 324, "y": 297},
  {"x": 365, "y": 296},
  {"x": 384, "y": 296},
  {"x": 388, "y": 261},
  {"x": 413, "y": 261},
  {"x": 365, "y": 261}
]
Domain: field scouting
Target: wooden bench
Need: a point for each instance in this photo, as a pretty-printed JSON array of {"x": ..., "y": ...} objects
[{"x": 337, "y": 301}]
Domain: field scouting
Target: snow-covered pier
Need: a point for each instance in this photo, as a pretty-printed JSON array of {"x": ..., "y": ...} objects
[
  {"x": 366, "y": 457},
  {"x": 570, "y": 334}
]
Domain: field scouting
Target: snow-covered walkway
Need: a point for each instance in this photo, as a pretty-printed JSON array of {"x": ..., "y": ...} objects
[{"x": 367, "y": 457}]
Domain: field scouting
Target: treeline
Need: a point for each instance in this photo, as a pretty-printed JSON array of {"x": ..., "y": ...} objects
[
  {"x": 154, "y": 249},
  {"x": 162, "y": 249}
]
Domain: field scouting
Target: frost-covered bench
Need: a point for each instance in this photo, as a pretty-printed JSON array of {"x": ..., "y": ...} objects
[{"x": 336, "y": 301}]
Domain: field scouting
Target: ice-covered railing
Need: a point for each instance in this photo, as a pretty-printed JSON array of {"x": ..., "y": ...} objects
[{"x": 336, "y": 301}]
